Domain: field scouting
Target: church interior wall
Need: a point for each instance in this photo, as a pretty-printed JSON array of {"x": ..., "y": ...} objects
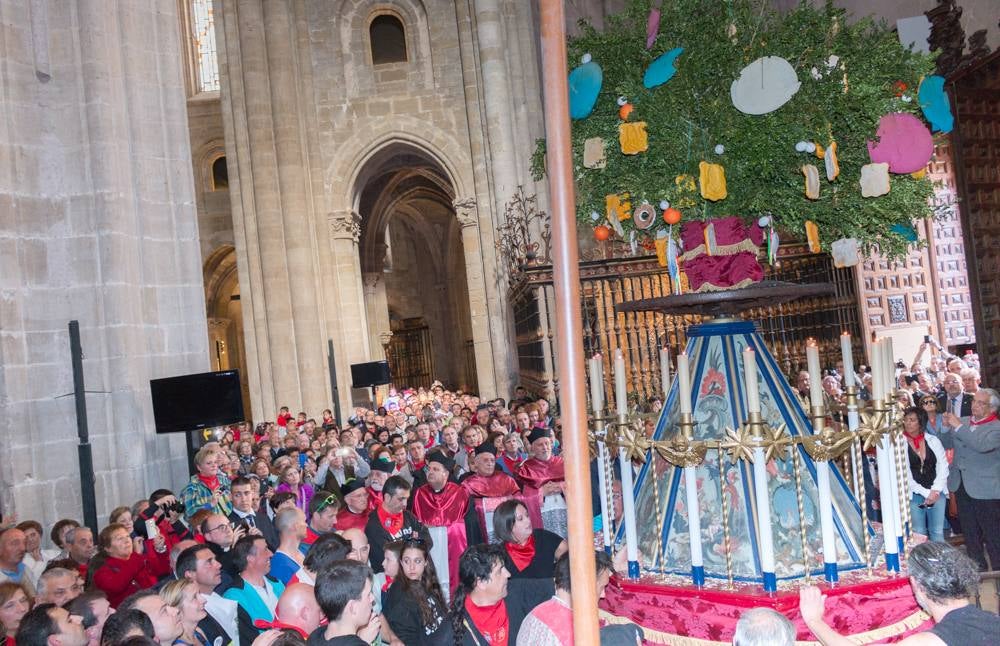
[{"x": 97, "y": 224}]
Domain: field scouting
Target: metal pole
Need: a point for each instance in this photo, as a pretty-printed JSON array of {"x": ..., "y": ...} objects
[
  {"x": 569, "y": 341},
  {"x": 84, "y": 449}
]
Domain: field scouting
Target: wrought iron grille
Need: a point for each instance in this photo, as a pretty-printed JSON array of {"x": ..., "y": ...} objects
[{"x": 640, "y": 335}]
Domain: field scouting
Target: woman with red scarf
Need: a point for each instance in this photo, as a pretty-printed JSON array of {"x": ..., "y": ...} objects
[
  {"x": 928, "y": 475},
  {"x": 125, "y": 571},
  {"x": 528, "y": 553},
  {"x": 208, "y": 488}
]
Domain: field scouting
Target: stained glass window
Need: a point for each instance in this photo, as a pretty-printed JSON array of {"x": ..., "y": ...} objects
[{"x": 206, "y": 58}]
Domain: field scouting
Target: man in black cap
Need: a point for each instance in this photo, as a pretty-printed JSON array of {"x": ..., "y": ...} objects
[
  {"x": 542, "y": 477},
  {"x": 441, "y": 506},
  {"x": 391, "y": 521},
  {"x": 357, "y": 504},
  {"x": 381, "y": 470}
]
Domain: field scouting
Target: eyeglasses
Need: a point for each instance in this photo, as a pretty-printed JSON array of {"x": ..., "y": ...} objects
[
  {"x": 218, "y": 527},
  {"x": 928, "y": 402},
  {"x": 329, "y": 500}
]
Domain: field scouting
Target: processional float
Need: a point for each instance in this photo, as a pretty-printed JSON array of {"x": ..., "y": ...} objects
[{"x": 739, "y": 489}]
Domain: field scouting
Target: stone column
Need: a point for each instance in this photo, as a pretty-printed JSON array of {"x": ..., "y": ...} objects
[
  {"x": 98, "y": 225},
  {"x": 377, "y": 310},
  {"x": 351, "y": 343},
  {"x": 484, "y": 321},
  {"x": 497, "y": 103},
  {"x": 266, "y": 119}
]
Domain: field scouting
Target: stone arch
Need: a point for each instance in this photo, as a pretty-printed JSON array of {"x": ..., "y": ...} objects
[
  {"x": 360, "y": 148},
  {"x": 204, "y": 157},
  {"x": 224, "y": 311},
  {"x": 405, "y": 199}
]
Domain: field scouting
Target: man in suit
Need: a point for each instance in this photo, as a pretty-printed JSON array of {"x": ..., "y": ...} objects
[
  {"x": 954, "y": 399},
  {"x": 974, "y": 477},
  {"x": 243, "y": 511}
]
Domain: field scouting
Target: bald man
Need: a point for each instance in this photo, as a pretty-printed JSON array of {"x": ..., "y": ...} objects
[
  {"x": 359, "y": 544},
  {"x": 297, "y": 609}
]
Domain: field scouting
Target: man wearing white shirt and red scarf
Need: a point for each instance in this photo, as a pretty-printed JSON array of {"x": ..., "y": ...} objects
[
  {"x": 542, "y": 478},
  {"x": 441, "y": 506},
  {"x": 975, "y": 475}
]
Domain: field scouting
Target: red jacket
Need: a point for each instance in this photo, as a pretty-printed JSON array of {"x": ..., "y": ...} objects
[{"x": 119, "y": 578}]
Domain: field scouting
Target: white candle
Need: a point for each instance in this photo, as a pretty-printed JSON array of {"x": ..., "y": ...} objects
[
  {"x": 596, "y": 385},
  {"x": 826, "y": 519},
  {"x": 694, "y": 517},
  {"x": 763, "y": 515},
  {"x": 665, "y": 373},
  {"x": 684, "y": 382},
  {"x": 596, "y": 400},
  {"x": 878, "y": 375},
  {"x": 890, "y": 368},
  {"x": 628, "y": 494},
  {"x": 815, "y": 378},
  {"x": 750, "y": 376},
  {"x": 848, "y": 358},
  {"x": 621, "y": 395}
]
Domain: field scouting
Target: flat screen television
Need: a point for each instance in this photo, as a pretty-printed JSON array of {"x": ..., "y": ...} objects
[{"x": 196, "y": 402}]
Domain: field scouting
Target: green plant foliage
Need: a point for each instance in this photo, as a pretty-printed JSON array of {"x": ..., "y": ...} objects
[{"x": 693, "y": 112}]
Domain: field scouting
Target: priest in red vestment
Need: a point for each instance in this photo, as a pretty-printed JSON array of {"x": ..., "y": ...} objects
[
  {"x": 542, "y": 477},
  {"x": 357, "y": 505},
  {"x": 441, "y": 505},
  {"x": 488, "y": 487}
]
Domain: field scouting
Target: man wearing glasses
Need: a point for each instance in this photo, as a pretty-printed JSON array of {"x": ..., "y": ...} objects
[{"x": 220, "y": 536}]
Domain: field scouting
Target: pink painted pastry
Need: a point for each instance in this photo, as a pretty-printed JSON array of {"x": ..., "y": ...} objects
[{"x": 903, "y": 142}]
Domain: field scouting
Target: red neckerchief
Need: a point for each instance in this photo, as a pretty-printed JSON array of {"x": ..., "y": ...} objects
[
  {"x": 512, "y": 462},
  {"x": 417, "y": 466},
  {"x": 264, "y": 624},
  {"x": 388, "y": 582},
  {"x": 491, "y": 621},
  {"x": 917, "y": 441},
  {"x": 392, "y": 523},
  {"x": 430, "y": 443},
  {"x": 521, "y": 554},
  {"x": 990, "y": 418},
  {"x": 212, "y": 482}
]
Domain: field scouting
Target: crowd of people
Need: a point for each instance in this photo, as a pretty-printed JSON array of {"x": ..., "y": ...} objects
[
  {"x": 953, "y": 446},
  {"x": 436, "y": 518}
]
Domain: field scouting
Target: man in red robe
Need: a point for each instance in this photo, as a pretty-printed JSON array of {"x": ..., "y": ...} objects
[
  {"x": 441, "y": 505},
  {"x": 487, "y": 488},
  {"x": 357, "y": 505},
  {"x": 542, "y": 477}
]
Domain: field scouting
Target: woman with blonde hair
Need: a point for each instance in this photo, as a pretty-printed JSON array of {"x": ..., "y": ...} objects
[{"x": 183, "y": 595}]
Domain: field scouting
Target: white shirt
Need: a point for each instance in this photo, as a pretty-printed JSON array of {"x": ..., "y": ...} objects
[
  {"x": 941, "y": 477},
  {"x": 224, "y": 611}
]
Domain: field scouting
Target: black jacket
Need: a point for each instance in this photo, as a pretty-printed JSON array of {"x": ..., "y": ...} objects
[{"x": 264, "y": 524}]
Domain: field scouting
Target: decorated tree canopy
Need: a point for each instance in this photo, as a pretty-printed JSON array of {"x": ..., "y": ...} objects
[{"x": 739, "y": 110}]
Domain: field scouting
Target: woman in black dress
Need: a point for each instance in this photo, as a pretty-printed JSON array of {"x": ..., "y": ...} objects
[
  {"x": 414, "y": 605},
  {"x": 530, "y": 553}
]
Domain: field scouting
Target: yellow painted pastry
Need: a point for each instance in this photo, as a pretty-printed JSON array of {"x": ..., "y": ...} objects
[
  {"x": 812, "y": 236},
  {"x": 812, "y": 181},
  {"x": 618, "y": 206},
  {"x": 830, "y": 160},
  {"x": 633, "y": 138},
  {"x": 713, "y": 181}
]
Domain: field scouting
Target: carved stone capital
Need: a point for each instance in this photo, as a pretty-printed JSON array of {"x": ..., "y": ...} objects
[
  {"x": 345, "y": 224},
  {"x": 370, "y": 280},
  {"x": 218, "y": 326},
  {"x": 467, "y": 211},
  {"x": 384, "y": 338}
]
